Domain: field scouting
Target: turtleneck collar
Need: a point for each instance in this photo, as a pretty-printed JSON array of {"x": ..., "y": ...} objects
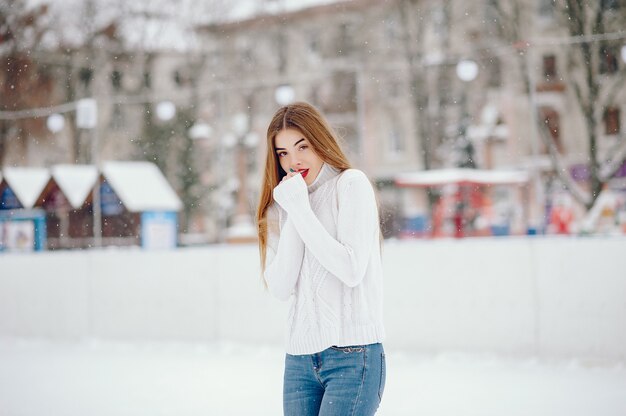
[{"x": 326, "y": 172}]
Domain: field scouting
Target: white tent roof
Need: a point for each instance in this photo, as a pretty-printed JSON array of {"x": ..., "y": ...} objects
[
  {"x": 141, "y": 186},
  {"x": 27, "y": 183},
  {"x": 75, "y": 181},
  {"x": 246, "y": 9},
  {"x": 460, "y": 176}
]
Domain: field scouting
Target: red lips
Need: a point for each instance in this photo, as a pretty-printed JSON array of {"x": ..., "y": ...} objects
[{"x": 303, "y": 172}]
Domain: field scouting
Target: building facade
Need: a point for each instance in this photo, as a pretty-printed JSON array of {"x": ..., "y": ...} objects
[{"x": 384, "y": 73}]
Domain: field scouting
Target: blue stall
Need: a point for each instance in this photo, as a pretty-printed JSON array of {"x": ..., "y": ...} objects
[{"x": 22, "y": 227}]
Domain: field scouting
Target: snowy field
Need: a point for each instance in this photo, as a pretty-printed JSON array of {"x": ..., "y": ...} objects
[
  {"x": 96, "y": 379},
  {"x": 176, "y": 331}
]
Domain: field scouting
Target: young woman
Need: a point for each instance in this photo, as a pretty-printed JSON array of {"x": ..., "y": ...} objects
[{"x": 319, "y": 238}]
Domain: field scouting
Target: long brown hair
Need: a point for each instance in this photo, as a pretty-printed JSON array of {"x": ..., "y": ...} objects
[{"x": 306, "y": 119}]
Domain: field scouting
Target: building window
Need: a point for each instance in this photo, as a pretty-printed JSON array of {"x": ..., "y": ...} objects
[
  {"x": 147, "y": 79},
  {"x": 344, "y": 40},
  {"x": 441, "y": 19},
  {"x": 494, "y": 71},
  {"x": 85, "y": 75},
  {"x": 394, "y": 88},
  {"x": 396, "y": 141},
  {"x": 178, "y": 78},
  {"x": 181, "y": 78},
  {"x": 549, "y": 67},
  {"x": 248, "y": 56},
  {"x": 392, "y": 30},
  {"x": 552, "y": 121},
  {"x": 314, "y": 42},
  {"x": 611, "y": 121},
  {"x": 281, "y": 50},
  {"x": 546, "y": 8},
  {"x": 117, "y": 120},
  {"x": 116, "y": 80},
  {"x": 610, "y": 4},
  {"x": 314, "y": 95},
  {"x": 608, "y": 60}
]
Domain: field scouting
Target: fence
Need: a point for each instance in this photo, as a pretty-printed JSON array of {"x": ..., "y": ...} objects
[{"x": 530, "y": 296}]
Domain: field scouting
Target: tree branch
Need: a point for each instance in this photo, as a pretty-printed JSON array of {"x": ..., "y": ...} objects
[
  {"x": 506, "y": 21},
  {"x": 618, "y": 157},
  {"x": 615, "y": 88},
  {"x": 577, "y": 192},
  {"x": 598, "y": 21}
]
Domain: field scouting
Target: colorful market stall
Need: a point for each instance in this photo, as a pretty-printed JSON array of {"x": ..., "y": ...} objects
[
  {"x": 138, "y": 204},
  {"x": 53, "y": 208},
  {"x": 22, "y": 226},
  {"x": 463, "y": 202},
  {"x": 66, "y": 199}
]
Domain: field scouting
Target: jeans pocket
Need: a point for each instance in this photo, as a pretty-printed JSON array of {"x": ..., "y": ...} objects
[
  {"x": 350, "y": 349},
  {"x": 383, "y": 376}
]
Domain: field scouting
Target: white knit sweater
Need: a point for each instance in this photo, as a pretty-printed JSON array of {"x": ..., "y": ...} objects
[{"x": 323, "y": 248}]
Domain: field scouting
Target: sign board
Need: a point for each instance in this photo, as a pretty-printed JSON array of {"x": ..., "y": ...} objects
[
  {"x": 86, "y": 113},
  {"x": 17, "y": 235},
  {"x": 158, "y": 230}
]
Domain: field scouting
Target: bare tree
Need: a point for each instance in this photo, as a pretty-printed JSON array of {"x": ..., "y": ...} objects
[
  {"x": 413, "y": 26},
  {"x": 168, "y": 144},
  {"x": 589, "y": 27},
  {"x": 588, "y": 24},
  {"x": 24, "y": 83}
]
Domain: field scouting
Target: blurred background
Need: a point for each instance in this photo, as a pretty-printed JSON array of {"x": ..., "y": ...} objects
[
  {"x": 526, "y": 94},
  {"x": 132, "y": 144}
]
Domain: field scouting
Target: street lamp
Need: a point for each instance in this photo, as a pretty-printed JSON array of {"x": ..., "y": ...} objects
[
  {"x": 488, "y": 133},
  {"x": 55, "y": 122},
  {"x": 200, "y": 131},
  {"x": 466, "y": 71},
  {"x": 87, "y": 118},
  {"x": 284, "y": 94},
  {"x": 165, "y": 110}
]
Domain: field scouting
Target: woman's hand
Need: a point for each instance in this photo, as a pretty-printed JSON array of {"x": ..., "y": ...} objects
[
  {"x": 289, "y": 193},
  {"x": 288, "y": 176}
]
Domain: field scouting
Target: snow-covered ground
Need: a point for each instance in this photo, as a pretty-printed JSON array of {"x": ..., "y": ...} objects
[{"x": 96, "y": 379}]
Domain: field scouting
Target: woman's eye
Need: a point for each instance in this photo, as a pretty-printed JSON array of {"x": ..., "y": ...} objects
[
  {"x": 281, "y": 154},
  {"x": 303, "y": 147}
]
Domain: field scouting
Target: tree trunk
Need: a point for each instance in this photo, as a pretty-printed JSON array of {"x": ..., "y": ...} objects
[{"x": 4, "y": 131}]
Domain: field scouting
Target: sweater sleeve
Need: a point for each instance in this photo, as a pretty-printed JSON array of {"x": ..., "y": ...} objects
[
  {"x": 285, "y": 251},
  {"x": 348, "y": 255}
]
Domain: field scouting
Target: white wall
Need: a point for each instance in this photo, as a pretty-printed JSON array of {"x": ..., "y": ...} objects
[{"x": 543, "y": 296}]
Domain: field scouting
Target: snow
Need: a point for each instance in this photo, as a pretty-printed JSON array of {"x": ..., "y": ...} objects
[
  {"x": 75, "y": 181},
  {"x": 27, "y": 183},
  {"x": 447, "y": 176},
  {"x": 248, "y": 9},
  {"x": 98, "y": 379},
  {"x": 465, "y": 321},
  {"x": 141, "y": 186}
]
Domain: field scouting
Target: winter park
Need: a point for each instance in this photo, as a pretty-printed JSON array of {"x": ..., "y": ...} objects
[{"x": 205, "y": 205}]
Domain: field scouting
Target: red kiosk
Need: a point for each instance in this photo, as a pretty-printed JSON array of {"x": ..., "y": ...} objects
[{"x": 466, "y": 202}]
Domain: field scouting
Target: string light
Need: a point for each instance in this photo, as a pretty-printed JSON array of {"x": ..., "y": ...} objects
[{"x": 498, "y": 52}]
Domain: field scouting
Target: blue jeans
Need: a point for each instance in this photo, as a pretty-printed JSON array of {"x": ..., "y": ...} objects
[{"x": 339, "y": 381}]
